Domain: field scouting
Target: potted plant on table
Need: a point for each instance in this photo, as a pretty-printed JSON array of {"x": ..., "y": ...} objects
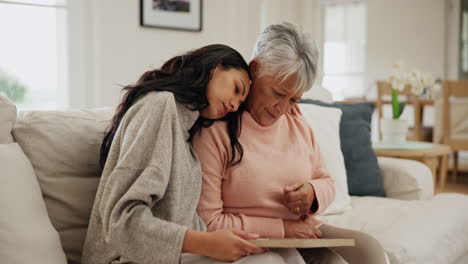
[{"x": 394, "y": 130}]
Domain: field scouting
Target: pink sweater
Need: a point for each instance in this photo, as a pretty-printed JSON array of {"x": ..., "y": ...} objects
[{"x": 249, "y": 196}]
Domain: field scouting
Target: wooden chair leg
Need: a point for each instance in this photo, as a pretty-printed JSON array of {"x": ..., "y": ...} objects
[
  {"x": 443, "y": 171},
  {"x": 455, "y": 166},
  {"x": 417, "y": 128}
]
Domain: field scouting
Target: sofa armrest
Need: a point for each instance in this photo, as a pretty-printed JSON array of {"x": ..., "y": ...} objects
[{"x": 406, "y": 179}]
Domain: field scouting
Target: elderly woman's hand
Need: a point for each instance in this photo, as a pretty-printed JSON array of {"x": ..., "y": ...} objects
[
  {"x": 301, "y": 228},
  {"x": 295, "y": 110},
  {"x": 299, "y": 198}
]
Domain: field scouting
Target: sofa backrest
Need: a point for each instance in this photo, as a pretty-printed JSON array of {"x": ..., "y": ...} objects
[
  {"x": 7, "y": 120},
  {"x": 63, "y": 147}
]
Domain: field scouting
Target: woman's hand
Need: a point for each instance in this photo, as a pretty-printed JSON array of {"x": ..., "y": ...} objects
[
  {"x": 301, "y": 228},
  {"x": 225, "y": 245},
  {"x": 299, "y": 198},
  {"x": 295, "y": 110},
  {"x": 230, "y": 245}
]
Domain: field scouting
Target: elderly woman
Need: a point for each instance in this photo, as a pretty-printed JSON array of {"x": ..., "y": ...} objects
[
  {"x": 275, "y": 182},
  {"x": 145, "y": 206}
]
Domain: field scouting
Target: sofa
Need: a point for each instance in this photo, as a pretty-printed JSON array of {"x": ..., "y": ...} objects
[{"x": 49, "y": 163}]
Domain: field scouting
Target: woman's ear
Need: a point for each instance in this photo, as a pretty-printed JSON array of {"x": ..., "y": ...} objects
[
  {"x": 215, "y": 70},
  {"x": 253, "y": 67}
]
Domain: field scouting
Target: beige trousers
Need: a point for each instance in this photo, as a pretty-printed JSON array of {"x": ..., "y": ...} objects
[
  {"x": 367, "y": 250},
  {"x": 274, "y": 256}
]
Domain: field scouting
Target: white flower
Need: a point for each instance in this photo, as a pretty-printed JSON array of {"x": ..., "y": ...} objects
[
  {"x": 415, "y": 74},
  {"x": 400, "y": 76},
  {"x": 417, "y": 89},
  {"x": 419, "y": 82},
  {"x": 399, "y": 85},
  {"x": 428, "y": 80},
  {"x": 413, "y": 81},
  {"x": 394, "y": 83},
  {"x": 436, "y": 87}
]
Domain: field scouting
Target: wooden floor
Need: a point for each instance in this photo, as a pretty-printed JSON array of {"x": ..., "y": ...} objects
[{"x": 460, "y": 185}]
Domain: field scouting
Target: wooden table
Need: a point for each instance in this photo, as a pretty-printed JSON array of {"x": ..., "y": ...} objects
[{"x": 433, "y": 155}]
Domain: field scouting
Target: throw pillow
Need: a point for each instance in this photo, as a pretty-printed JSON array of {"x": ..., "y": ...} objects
[
  {"x": 362, "y": 168},
  {"x": 7, "y": 120},
  {"x": 27, "y": 235},
  {"x": 318, "y": 93},
  {"x": 325, "y": 122},
  {"x": 63, "y": 147}
]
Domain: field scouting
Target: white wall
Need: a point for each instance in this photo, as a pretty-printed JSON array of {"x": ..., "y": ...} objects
[
  {"x": 110, "y": 48},
  {"x": 117, "y": 50},
  {"x": 422, "y": 33},
  {"x": 411, "y": 31}
]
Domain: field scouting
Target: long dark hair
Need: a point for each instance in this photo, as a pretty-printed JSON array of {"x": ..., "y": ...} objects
[{"x": 187, "y": 77}]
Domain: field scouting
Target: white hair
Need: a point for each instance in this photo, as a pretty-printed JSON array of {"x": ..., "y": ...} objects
[{"x": 283, "y": 50}]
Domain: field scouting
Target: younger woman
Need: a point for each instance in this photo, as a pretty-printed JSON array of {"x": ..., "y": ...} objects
[{"x": 145, "y": 206}]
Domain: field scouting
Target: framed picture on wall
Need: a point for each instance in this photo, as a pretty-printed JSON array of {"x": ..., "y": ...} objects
[{"x": 171, "y": 14}]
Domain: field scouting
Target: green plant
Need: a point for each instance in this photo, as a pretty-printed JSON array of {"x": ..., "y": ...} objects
[
  {"x": 12, "y": 88},
  {"x": 397, "y": 107},
  {"x": 420, "y": 83}
]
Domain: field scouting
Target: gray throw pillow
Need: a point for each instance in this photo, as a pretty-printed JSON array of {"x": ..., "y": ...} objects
[{"x": 362, "y": 168}]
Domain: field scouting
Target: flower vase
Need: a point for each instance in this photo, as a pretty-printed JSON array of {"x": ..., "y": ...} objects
[{"x": 394, "y": 131}]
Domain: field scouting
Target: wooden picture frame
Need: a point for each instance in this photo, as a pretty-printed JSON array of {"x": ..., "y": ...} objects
[{"x": 172, "y": 14}]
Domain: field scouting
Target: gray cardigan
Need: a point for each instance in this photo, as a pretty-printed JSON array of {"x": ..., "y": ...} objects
[{"x": 149, "y": 189}]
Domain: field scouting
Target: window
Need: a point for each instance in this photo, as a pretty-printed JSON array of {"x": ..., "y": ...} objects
[
  {"x": 463, "y": 69},
  {"x": 345, "y": 49},
  {"x": 33, "y": 64}
]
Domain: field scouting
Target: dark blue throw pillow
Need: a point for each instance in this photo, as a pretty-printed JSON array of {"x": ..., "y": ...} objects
[{"x": 362, "y": 168}]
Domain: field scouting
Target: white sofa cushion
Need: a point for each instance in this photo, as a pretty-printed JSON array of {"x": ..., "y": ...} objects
[
  {"x": 26, "y": 234},
  {"x": 7, "y": 120},
  {"x": 325, "y": 122},
  {"x": 406, "y": 179},
  {"x": 63, "y": 147},
  {"x": 417, "y": 231}
]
